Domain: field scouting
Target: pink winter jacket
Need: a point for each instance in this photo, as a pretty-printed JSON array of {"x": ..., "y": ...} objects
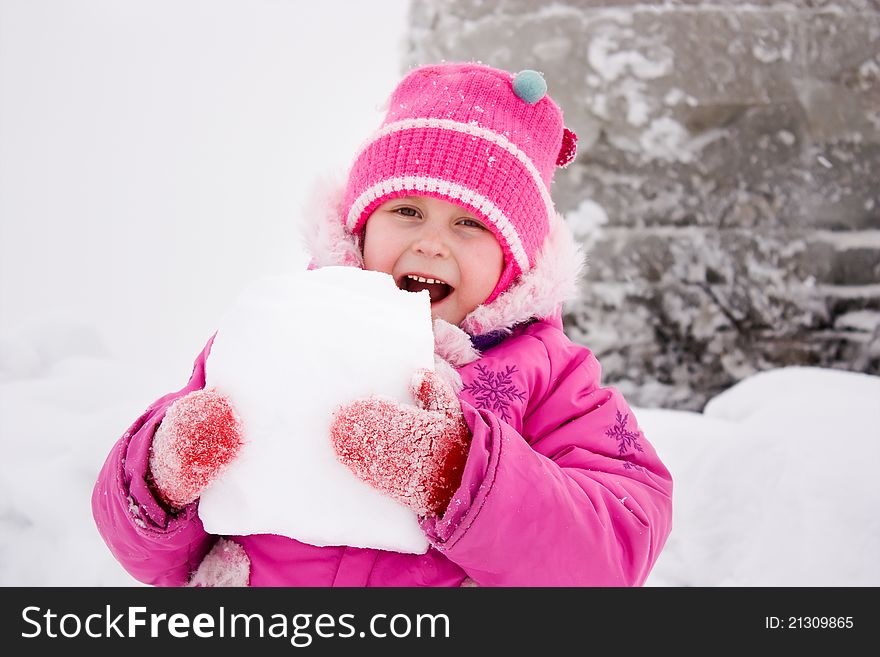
[{"x": 560, "y": 489}]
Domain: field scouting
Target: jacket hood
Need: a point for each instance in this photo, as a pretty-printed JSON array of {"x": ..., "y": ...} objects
[{"x": 537, "y": 294}]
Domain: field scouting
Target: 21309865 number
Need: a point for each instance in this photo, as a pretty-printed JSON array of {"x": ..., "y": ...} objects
[{"x": 808, "y": 622}]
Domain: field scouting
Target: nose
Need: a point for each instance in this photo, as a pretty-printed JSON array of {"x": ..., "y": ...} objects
[{"x": 430, "y": 242}]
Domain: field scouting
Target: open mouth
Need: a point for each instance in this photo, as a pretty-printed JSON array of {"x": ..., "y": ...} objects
[{"x": 438, "y": 289}]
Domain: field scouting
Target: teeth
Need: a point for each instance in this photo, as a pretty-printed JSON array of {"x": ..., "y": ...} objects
[{"x": 425, "y": 280}]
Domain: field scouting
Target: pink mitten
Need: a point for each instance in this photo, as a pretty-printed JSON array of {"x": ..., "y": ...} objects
[
  {"x": 414, "y": 454},
  {"x": 198, "y": 437}
]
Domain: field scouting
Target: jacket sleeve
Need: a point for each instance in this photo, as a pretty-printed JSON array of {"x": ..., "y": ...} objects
[
  {"x": 152, "y": 544},
  {"x": 577, "y": 498}
]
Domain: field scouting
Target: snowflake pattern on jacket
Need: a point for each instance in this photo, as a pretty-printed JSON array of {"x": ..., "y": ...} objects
[
  {"x": 625, "y": 439},
  {"x": 495, "y": 391}
]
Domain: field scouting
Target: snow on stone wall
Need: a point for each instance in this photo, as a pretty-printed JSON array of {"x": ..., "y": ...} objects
[{"x": 726, "y": 182}]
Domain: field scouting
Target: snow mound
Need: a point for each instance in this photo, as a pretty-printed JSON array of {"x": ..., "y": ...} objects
[
  {"x": 775, "y": 484},
  {"x": 799, "y": 390},
  {"x": 36, "y": 346}
]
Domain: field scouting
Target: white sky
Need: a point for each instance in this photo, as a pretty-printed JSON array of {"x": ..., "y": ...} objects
[{"x": 154, "y": 156}]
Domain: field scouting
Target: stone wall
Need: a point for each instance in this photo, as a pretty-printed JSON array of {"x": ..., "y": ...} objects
[{"x": 727, "y": 184}]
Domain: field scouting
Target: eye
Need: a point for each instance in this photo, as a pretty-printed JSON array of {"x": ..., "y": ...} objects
[
  {"x": 406, "y": 211},
  {"x": 472, "y": 223}
]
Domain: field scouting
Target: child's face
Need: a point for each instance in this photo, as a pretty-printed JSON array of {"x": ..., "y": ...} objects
[{"x": 428, "y": 238}]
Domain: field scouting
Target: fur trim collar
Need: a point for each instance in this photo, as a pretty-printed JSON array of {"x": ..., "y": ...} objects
[
  {"x": 538, "y": 293},
  {"x": 325, "y": 237}
]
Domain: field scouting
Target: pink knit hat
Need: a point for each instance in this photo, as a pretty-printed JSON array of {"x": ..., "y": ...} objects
[{"x": 472, "y": 135}]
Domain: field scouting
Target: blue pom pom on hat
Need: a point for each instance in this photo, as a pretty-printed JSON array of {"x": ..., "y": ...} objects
[{"x": 530, "y": 86}]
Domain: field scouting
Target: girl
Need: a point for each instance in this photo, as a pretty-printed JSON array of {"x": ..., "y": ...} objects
[{"x": 522, "y": 468}]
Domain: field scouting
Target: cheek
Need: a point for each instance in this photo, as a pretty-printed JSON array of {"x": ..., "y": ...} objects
[
  {"x": 492, "y": 258},
  {"x": 375, "y": 251},
  {"x": 486, "y": 264}
]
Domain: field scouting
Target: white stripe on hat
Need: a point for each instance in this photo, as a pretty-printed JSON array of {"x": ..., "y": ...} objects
[
  {"x": 452, "y": 190},
  {"x": 475, "y": 131}
]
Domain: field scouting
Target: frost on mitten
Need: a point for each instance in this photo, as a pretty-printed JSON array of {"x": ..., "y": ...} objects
[
  {"x": 198, "y": 437},
  {"x": 415, "y": 454}
]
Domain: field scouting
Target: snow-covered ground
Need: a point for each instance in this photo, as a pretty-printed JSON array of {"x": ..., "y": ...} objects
[
  {"x": 153, "y": 160},
  {"x": 775, "y": 484}
]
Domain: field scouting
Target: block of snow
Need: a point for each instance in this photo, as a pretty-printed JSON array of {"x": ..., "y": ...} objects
[{"x": 287, "y": 352}]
